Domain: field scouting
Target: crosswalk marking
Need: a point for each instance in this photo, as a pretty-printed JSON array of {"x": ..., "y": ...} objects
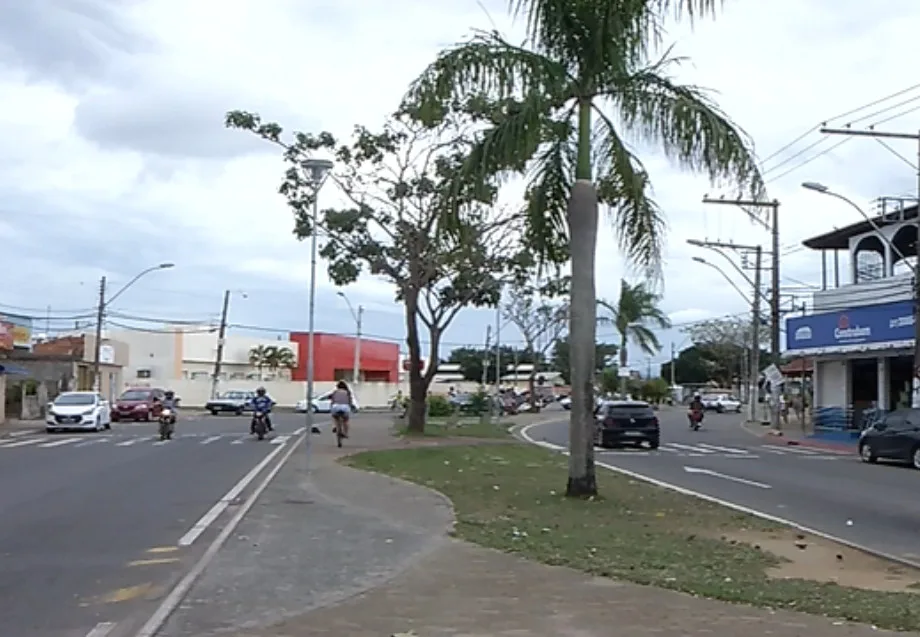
[
  {"x": 280, "y": 440},
  {"x": 208, "y": 441},
  {"x": 93, "y": 441},
  {"x": 692, "y": 448},
  {"x": 790, "y": 449},
  {"x": 128, "y": 443},
  {"x": 23, "y": 443},
  {"x": 59, "y": 443},
  {"x": 723, "y": 449},
  {"x": 238, "y": 441}
]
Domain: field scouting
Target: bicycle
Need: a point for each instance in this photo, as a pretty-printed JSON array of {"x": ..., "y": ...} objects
[{"x": 339, "y": 420}]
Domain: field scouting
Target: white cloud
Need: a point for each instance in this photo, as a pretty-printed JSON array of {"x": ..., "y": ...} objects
[{"x": 122, "y": 160}]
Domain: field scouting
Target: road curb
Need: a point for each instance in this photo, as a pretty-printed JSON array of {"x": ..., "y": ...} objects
[{"x": 525, "y": 437}]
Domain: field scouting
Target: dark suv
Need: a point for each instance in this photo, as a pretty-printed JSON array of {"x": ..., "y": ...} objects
[
  {"x": 626, "y": 422},
  {"x": 137, "y": 404}
]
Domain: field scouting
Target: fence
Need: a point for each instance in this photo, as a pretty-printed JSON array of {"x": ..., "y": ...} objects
[{"x": 195, "y": 393}]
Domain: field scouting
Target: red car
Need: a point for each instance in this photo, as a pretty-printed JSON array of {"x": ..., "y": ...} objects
[{"x": 137, "y": 404}]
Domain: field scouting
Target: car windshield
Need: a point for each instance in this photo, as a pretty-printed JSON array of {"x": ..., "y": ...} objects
[
  {"x": 233, "y": 394},
  {"x": 67, "y": 400},
  {"x": 135, "y": 395}
]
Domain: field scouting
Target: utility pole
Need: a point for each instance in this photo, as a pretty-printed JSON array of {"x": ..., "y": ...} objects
[
  {"x": 673, "y": 363},
  {"x": 485, "y": 356},
  {"x": 97, "y": 345},
  {"x": 755, "y": 311},
  {"x": 775, "y": 296},
  {"x": 498, "y": 350},
  {"x": 356, "y": 371},
  {"x": 915, "y": 137},
  {"x": 221, "y": 337}
]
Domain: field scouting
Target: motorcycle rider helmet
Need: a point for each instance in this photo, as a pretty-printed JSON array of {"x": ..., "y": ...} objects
[
  {"x": 169, "y": 394},
  {"x": 260, "y": 391}
]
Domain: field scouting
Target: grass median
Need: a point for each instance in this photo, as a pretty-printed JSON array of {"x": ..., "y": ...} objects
[
  {"x": 509, "y": 497},
  {"x": 463, "y": 426}
]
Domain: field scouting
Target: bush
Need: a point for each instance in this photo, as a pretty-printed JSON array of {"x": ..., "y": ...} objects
[
  {"x": 439, "y": 406},
  {"x": 479, "y": 403}
]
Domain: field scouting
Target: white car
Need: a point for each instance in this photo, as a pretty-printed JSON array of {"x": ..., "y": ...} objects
[
  {"x": 721, "y": 403},
  {"x": 566, "y": 402},
  {"x": 323, "y": 404},
  {"x": 78, "y": 410}
]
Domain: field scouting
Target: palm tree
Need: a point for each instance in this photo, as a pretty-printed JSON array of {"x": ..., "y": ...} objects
[
  {"x": 279, "y": 357},
  {"x": 259, "y": 357},
  {"x": 634, "y": 316},
  {"x": 581, "y": 85}
]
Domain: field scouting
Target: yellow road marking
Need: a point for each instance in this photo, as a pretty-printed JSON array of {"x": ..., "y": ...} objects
[
  {"x": 128, "y": 593},
  {"x": 163, "y": 549},
  {"x": 155, "y": 561}
]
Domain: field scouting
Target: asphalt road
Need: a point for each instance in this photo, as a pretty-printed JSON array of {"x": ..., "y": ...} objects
[
  {"x": 875, "y": 506},
  {"x": 94, "y": 528}
]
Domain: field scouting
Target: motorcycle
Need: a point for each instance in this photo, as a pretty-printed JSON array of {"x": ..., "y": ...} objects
[
  {"x": 695, "y": 416},
  {"x": 259, "y": 426},
  {"x": 167, "y": 423}
]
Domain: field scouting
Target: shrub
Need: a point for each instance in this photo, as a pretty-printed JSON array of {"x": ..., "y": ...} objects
[{"x": 439, "y": 406}]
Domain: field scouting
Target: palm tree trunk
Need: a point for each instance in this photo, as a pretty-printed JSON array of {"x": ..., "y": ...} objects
[
  {"x": 624, "y": 361},
  {"x": 582, "y": 218}
]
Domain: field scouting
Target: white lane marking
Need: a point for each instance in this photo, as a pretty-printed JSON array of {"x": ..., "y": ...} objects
[
  {"x": 280, "y": 440},
  {"x": 101, "y": 629},
  {"x": 238, "y": 441},
  {"x": 19, "y": 434},
  {"x": 724, "y": 449},
  {"x": 93, "y": 441},
  {"x": 23, "y": 443},
  {"x": 693, "y": 448},
  {"x": 160, "y": 443},
  {"x": 804, "y": 452},
  {"x": 209, "y": 440},
  {"x": 299, "y": 431},
  {"x": 177, "y": 594},
  {"x": 60, "y": 443},
  {"x": 128, "y": 443},
  {"x": 723, "y": 476},
  {"x": 212, "y": 514},
  {"x": 523, "y": 432},
  {"x": 774, "y": 450}
]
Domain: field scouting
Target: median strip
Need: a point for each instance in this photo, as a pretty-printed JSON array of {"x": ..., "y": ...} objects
[{"x": 510, "y": 497}]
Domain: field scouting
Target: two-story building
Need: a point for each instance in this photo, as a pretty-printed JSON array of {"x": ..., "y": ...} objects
[{"x": 860, "y": 334}]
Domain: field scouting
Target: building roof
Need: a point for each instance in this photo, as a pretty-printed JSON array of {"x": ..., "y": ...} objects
[
  {"x": 797, "y": 367},
  {"x": 839, "y": 238}
]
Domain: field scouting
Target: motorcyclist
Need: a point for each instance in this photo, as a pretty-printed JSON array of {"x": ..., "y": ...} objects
[
  {"x": 696, "y": 409},
  {"x": 263, "y": 403},
  {"x": 170, "y": 402}
]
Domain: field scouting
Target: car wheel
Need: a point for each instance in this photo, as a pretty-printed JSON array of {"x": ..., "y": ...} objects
[
  {"x": 867, "y": 454},
  {"x": 108, "y": 425},
  {"x": 315, "y": 409},
  {"x": 720, "y": 409},
  {"x": 915, "y": 457},
  {"x": 98, "y": 424},
  {"x": 213, "y": 412},
  {"x": 50, "y": 430},
  {"x": 239, "y": 412},
  {"x": 654, "y": 443}
]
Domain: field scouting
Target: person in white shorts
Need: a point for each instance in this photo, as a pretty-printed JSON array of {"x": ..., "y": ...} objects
[{"x": 341, "y": 405}]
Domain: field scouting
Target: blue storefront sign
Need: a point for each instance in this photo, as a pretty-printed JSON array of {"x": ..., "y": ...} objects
[{"x": 883, "y": 323}]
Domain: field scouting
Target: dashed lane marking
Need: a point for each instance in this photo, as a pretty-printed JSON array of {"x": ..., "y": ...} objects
[{"x": 59, "y": 443}]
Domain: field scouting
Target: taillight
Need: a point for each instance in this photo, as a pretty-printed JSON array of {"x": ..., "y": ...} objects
[
  {"x": 655, "y": 421},
  {"x": 609, "y": 422}
]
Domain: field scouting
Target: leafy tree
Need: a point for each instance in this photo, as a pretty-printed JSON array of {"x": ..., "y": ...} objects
[
  {"x": 470, "y": 360},
  {"x": 691, "y": 366},
  {"x": 654, "y": 390},
  {"x": 443, "y": 247},
  {"x": 585, "y": 82},
  {"x": 258, "y": 358},
  {"x": 540, "y": 320},
  {"x": 635, "y": 314},
  {"x": 604, "y": 356},
  {"x": 726, "y": 345}
]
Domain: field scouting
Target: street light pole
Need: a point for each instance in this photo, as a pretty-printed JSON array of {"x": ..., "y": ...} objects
[
  {"x": 100, "y": 318},
  {"x": 316, "y": 172},
  {"x": 725, "y": 276}
]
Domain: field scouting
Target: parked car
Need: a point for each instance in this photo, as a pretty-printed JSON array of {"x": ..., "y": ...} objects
[
  {"x": 78, "y": 410},
  {"x": 626, "y": 422},
  {"x": 234, "y": 402},
  {"x": 566, "y": 402},
  {"x": 721, "y": 403},
  {"x": 137, "y": 404},
  {"x": 894, "y": 436},
  {"x": 323, "y": 404}
]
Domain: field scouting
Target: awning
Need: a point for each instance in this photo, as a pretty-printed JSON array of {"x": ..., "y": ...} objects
[
  {"x": 15, "y": 370},
  {"x": 868, "y": 349}
]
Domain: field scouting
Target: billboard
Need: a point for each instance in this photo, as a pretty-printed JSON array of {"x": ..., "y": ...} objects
[
  {"x": 865, "y": 325},
  {"x": 15, "y": 331}
]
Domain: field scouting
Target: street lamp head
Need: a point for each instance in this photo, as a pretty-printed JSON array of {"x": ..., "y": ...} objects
[
  {"x": 166, "y": 266},
  {"x": 814, "y": 185},
  {"x": 701, "y": 260},
  {"x": 340, "y": 293},
  {"x": 316, "y": 170},
  {"x": 695, "y": 242}
]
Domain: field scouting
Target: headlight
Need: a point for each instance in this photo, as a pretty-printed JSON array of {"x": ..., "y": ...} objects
[
  {"x": 139, "y": 407},
  {"x": 88, "y": 412}
]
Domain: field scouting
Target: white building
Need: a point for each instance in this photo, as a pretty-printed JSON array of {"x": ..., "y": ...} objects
[
  {"x": 188, "y": 353},
  {"x": 861, "y": 331}
]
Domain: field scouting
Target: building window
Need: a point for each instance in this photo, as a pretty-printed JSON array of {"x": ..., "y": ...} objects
[{"x": 144, "y": 373}]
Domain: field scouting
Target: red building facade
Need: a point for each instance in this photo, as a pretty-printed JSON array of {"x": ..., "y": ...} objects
[{"x": 334, "y": 358}]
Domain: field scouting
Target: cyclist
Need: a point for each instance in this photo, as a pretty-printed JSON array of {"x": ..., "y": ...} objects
[{"x": 342, "y": 404}]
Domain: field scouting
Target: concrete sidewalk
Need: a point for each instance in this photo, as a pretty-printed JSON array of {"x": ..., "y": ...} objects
[{"x": 360, "y": 555}]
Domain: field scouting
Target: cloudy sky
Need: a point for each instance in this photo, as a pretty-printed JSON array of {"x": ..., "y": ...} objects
[{"x": 114, "y": 156}]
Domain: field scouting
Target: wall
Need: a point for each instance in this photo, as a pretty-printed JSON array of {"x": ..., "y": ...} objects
[
  {"x": 195, "y": 393},
  {"x": 151, "y": 356},
  {"x": 334, "y": 357},
  {"x": 120, "y": 350},
  {"x": 896, "y": 288},
  {"x": 200, "y": 347}
]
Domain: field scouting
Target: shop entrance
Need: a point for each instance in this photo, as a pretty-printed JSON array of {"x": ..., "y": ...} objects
[
  {"x": 900, "y": 374},
  {"x": 863, "y": 386}
]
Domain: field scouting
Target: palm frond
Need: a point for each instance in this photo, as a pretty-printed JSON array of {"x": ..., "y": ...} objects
[
  {"x": 488, "y": 65},
  {"x": 623, "y": 185},
  {"x": 687, "y": 125},
  {"x": 645, "y": 339}
]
